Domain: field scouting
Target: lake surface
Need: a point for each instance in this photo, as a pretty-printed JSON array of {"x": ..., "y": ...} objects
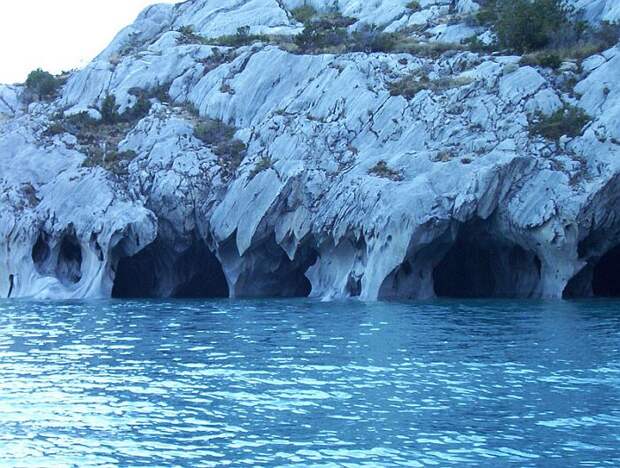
[{"x": 302, "y": 383}]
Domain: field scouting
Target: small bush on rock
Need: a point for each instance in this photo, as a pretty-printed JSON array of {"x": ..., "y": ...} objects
[
  {"x": 263, "y": 164},
  {"x": 213, "y": 131},
  {"x": 99, "y": 140},
  {"x": 368, "y": 38},
  {"x": 414, "y": 6},
  {"x": 80, "y": 120},
  {"x": 42, "y": 83},
  {"x": 543, "y": 59},
  {"x": 114, "y": 161},
  {"x": 527, "y": 25},
  {"x": 109, "y": 110},
  {"x": 111, "y": 116},
  {"x": 159, "y": 92},
  {"x": 568, "y": 121},
  {"x": 189, "y": 36},
  {"x": 327, "y": 31},
  {"x": 381, "y": 169},
  {"x": 608, "y": 34},
  {"x": 304, "y": 13},
  {"x": 241, "y": 38},
  {"x": 139, "y": 110},
  {"x": 412, "y": 84},
  {"x": 221, "y": 138},
  {"x": 55, "y": 128}
]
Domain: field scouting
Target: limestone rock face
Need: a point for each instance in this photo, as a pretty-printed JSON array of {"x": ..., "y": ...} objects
[{"x": 343, "y": 188}]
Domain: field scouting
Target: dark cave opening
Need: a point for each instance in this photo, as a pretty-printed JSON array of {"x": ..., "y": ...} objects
[
  {"x": 304, "y": 286},
  {"x": 40, "y": 251},
  {"x": 69, "y": 262},
  {"x": 267, "y": 271},
  {"x": 465, "y": 272},
  {"x": 606, "y": 274},
  {"x": 300, "y": 285},
  {"x": 157, "y": 272},
  {"x": 579, "y": 285},
  {"x": 481, "y": 266}
]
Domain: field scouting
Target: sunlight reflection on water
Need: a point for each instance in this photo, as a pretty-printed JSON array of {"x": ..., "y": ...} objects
[{"x": 191, "y": 383}]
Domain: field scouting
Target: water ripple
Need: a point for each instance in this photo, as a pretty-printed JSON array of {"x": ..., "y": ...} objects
[{"x": 300, "y": 383}]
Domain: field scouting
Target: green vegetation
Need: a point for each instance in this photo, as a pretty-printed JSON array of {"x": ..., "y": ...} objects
[
  {"x": 159, "y": 92},
  {"x": 221, "y": 138},
  {"x": 241, "y": 38},
  {"x": 543, "y": 59},
  {"x": 414, "y": 5},
  {"x": 368, "y": 38},
  {"x": 328, "y": 31},
  {"x": 568, "y": 121},
  {"x": 381, "y": 169},
  {"x": 412, "y": 84},
  {"x": 99, "y": 139},
  {"x": 324, "y": 33},
  {"x": 114, "y": 161},
  {"x": 525, "y": 25},
  {"x": 546, "y": 30},
  {"x": 111, "y": 116},
  {"x": 304, "y": 13},
  {"x": 43, "y": 84},
  {"x": 189, "y": 36},
  {"x": 109, "y": 110},
  {"x": 263, "y": 164}
]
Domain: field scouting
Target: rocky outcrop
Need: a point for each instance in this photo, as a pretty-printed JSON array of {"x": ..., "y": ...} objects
[{"x": 345, "y": 189}]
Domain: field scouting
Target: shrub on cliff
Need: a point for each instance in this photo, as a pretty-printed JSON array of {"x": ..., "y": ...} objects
[
  {"x": 413, "y": 6},
  {"x": 141, "y": 107},
  {"x": 241, "y": 38},
  {"x": 221, "y": 138},
  {"x": 410, "y": 85},
  {"x": 382, "y": 170},
  {"x": 326, "y": 32},
  {"x": 111, "y": 116},
  {"x": 42, "y": 83},
  {"x": 189, "y": 36},
  {"x": 368, "y": 38},
  {"x": 527, "y": 25},
  {"x": 568, "y": 121},
  {"x": 304, "y": 13},
  {"x": 109, "y": 110}
]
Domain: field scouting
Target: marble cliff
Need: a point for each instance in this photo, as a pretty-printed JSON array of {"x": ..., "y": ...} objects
[{"x": 321, "y": 180}]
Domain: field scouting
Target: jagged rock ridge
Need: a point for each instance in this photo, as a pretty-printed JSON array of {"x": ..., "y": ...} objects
[{"x": 344, "y": 190}]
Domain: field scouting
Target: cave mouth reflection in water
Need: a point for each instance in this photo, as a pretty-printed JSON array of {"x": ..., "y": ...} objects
[{"x": 157, "y": 272}]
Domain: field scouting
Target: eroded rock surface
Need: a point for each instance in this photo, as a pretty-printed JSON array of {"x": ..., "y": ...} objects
[{"x": 345, "y": 190}]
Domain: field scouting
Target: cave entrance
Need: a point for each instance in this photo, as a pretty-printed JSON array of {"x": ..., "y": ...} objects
[
  {"x": 268, "y": 272},
  {"x": 606, "y": 274},
  {"x": 479, "y": 265},
  {"x": 69, "y": 262},
  {"x": 159, "y": 271}
]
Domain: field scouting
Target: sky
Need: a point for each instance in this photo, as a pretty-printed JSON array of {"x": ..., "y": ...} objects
[{"x": 59, "y": 35}]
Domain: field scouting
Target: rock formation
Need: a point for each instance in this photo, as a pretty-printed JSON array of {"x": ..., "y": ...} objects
[{"x": 331, "y": 186}]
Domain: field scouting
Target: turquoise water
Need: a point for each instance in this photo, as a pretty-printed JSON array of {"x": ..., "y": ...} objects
[{"x": 301, "y": 383}]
